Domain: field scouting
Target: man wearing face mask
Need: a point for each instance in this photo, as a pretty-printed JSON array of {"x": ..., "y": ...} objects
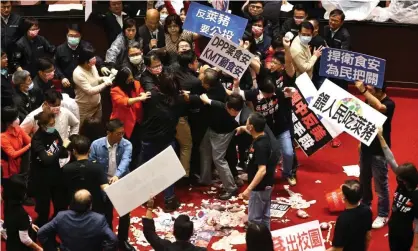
[
  {"x": 26, "y": 98},
  {"x": 46, "y": 73},
  {"x": 66, "y": 57},
  {"x": 64, "y": 119},
  {"x": 302, "y": 57},
  {"x": 150, "y": 77},
  {"x": 136, "y": 60},
  {"x": 151, "y": 32},
  {"x": 293, "y": 24}
]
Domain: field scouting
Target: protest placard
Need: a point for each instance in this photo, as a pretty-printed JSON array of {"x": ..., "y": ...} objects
[
  {"x": 146, "y": 181},
  {"x": 352, "y": 66},
  {"x": 302, "y": 237},
  {"x": 278, "y": 209},
  {"x": 227, "y": 56},
  {"x": 347, "y": 112},
  {"x": 208, "y": 21},
  {"x": 308, "y": 91},
  {"x": 309, "y": 131}
]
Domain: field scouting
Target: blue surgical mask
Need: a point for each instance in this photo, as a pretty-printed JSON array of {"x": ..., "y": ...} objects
[
  {"x": 50, "y": 129},
  {"x": 73, "y": 41},
  {"x": 4, "y": 72},
  {"x": 305, "y": 39},
  {"x": 30, "y": 87}
]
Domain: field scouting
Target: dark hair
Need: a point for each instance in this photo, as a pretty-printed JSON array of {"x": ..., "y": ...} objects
[
  {"x": 183, "y": 228},
  {"x": 255, "y": 1},
  {"x": 211, "y": 77},
  {"x": 92, "y": 128},
  {"x": 268, "y": 86},
  {"x": 151, "y": 56},
  {"x": 168, "y": 87},
  {"x": 3, "y": 52},
  {"x": 183, "y": 40},
  {"x": 257, "y": 18},
  {"x": 280, "y": 56},
  {"x": 3, "y": 2},
  {"x": 408, "y": 173},
  {"x": 306, "y": 25},
  {"x": 136, "y": 45},
  {"x": 257, "y": 121},
  {"x": 186, "y": 58},
  {"x": 258, "y": 237},
  {"x": 352, "y": 191},
  {"x": 81, "y": 205},
  {"x": 120, "y": 81},
  {"x": 8, "y": 116},
  {"x": 51, "y": 96},
  {"x": 277, "y": 43},
  {"x": 248, "y": 36},
  {"x": 17, "y": 189},
  {"x": 182, "y": 9},
  {"x": 86, "y": 53},
  {"x": 43, "y": 118},
  {"x": 173, "y": 18},
  {"x": 74, "y": 27},
  {"x": 315, "y": 21},
  {"x": 234, "y": 101},
  {"x": 28, "y": 23},
  {"x": 337, "y": 12},
  {"x": 161, "y": 7},
  {"x": 299, "y": 7},
  {"x": 81, "y": 144},
  {"x": 113, "y": 125},
  {"x": 128, "y": 23},
  {"x": 44, "y": 63}
]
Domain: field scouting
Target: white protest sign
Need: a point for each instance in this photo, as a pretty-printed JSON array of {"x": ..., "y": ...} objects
[
  {"x": 306, "y": 237},
  {"x": 146, "y": 181},
  {"x": 278, "y": 209},
  {"x": 347, "y": 112},
  {"x": 227, "y": 56},
  {"x": 308, "y": 90}
]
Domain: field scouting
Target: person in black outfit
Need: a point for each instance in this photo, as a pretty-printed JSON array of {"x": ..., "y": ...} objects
[
  {"x": 261, "y": 37},
  {"x": 43, "y": 79},
  {"x": 158, "y": 128},
  {"x": 151, "y": 77},
  {"x": 66, "y": 57},
  {"x": 11, "y": 28},
  {"x": 30, "y": 47},
  {"x": 7, "y": 90},
  {"x": 83, "y": 174},
  {"x": 27, "y": 98},
  {"x": 46, "y": 173},
  {"x": 136, "y": 60},
  {"x": 251, "y": 10},
  {"x": 258, "y": 237},
  {"x": 93, "y": 129},
  {"x": 183, "y": 231},
  {"x": 152, "y": 32},
  {"x": 316, "y": 42},
  {"x": 112, "y": 21},
  {"x": 17, "y": 221},
  {"x": 353, "y": 228},
  {"x": 292, "y": 24}
]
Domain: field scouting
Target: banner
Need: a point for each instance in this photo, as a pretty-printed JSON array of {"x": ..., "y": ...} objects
[
  {"x": 309, "y": 131},
  {"x": 302, "y": 237},
  {"x": 227, "y": 56},
  {"x": 146, "y": 181},
  {"x": 308, "y": 91},
  {"x": 352, "y": 66},
  {"x": 208, "y": 21},
  {"x": 347, "y": 112}
]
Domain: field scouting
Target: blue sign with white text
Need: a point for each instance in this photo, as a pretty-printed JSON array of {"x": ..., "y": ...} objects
[
  {"x": 352, "y": 66},
  {"x": 208, "y": 21}
]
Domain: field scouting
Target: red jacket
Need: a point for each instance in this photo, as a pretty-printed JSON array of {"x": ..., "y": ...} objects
[
  {"x": 128, "y": 114},
  {"x": 14, "y": 143}
]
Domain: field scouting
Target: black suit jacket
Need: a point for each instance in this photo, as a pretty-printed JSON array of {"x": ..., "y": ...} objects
[
  {"x": 341, "y": 39},
  {"x": 145, "y": 34}
]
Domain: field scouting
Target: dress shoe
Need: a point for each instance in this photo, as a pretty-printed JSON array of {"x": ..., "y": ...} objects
[
  {"x": 225, "y": 195},
  {"x": 125, "y": 246}
]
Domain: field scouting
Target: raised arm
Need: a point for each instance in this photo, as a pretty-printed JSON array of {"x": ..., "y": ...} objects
[
  {"x": 386, "y": 150},
  {"x": 288, "y": 65}
]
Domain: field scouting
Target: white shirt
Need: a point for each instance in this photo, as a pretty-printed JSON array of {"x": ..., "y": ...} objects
[
  {"x": 65, "y": 123},
  {"x": 119, "y": 19},
  {"x": 112, "y": 159},
  {"x": 237, "y": 117},
  {"x": 260, "y": 39},
  {"x": 333, "y": 32},
  {"x": 70, "y": 104}
]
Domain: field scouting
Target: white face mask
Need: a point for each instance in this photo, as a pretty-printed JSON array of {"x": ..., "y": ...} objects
[
  {"x": 136, "y": 60},
  {"x": 163, "y": 17}
]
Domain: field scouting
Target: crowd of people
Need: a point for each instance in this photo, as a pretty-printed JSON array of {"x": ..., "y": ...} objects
[{"x": 55, "y": 146}]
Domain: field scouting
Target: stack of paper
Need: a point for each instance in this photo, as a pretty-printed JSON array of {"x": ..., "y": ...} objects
[{"x": 353, "y": 170}]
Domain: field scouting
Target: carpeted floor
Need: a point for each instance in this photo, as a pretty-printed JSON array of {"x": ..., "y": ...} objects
[{"x": 326, "y": 165}]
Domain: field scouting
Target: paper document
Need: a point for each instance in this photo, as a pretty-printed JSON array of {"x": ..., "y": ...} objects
[
  {"x": 64, "y": 7},
  {"x": 353, "y": 170},
  {"x": 287, "y": 7},
  {"x": 146, "y": 181}
]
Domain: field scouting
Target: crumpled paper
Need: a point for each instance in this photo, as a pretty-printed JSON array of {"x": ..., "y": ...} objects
[
  {"x": 226, "y": 243},
  {"x": 295, "y": 200}
]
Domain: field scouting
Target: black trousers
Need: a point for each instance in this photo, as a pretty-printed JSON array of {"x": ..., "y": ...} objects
[
  {"x": 243, "y": 142},
  {"x": 135, "y": 139},
  {"x": 400, "y": 240},
  {"x": 198, "y": 129},
  {"x": 124, "y": 221},
  {"x": 46, "y": 193}
]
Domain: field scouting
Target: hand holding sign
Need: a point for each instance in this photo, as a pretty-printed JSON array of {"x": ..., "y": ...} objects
[
  {"x": 360, "y": 86},
  {"x": 318, "y": 52}
]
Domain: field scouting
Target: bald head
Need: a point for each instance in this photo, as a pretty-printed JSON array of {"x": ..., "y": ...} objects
[
  {"x": 152, "y": 19},
  {"x": 81, "y": 201}
]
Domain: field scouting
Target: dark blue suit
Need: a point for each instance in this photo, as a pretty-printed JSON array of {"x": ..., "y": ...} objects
[{"x": 87, "y": 231}]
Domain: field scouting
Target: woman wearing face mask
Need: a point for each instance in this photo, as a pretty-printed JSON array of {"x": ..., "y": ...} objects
[
  {"x": 136, "y": 60},
  {"x": 30, "y": 47},
  {"x": 262, "y": 40},
  {"x": 47, "y": 149},
  {"x": 117, "y": 54},
  {"x": 154, "y": 68},
  {"x": 127, "y": 95},
  {"x": 163, "y": 14},
  {"x": 14, "y": 143},
  {"x": 88, "y": 85},
  {"x": 405, "y": 202}
]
